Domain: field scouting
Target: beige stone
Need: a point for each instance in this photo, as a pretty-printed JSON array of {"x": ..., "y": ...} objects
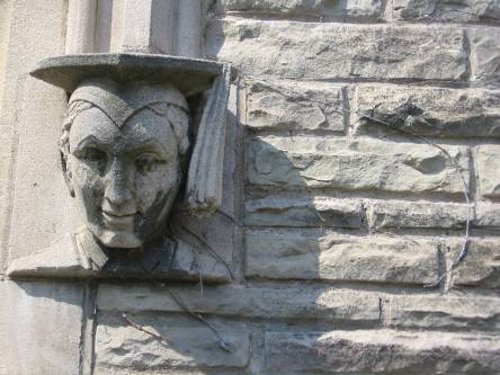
[
  {"x": 304, "y": 212},
  {"x": 485, "y": 55},
  {"x": 488, "y": 167},
  {"x": 40, "y": 327},
  {"x": 187, "y": 344},
  {"x": 487, "y": 11},
  {"x": 442, "y": 311},
  {"x": 316, "y": 9},
  {"x": 295, "y": 106},
  {"x": 316, "y": 254},
  {"x": 299, "y": 50},
  {"x": 428, "y": 111},
  {"x": 333, "y": 163},
  {"x": 481, "y": 265},
  {"x": 382, "y": 351},
  {"x": 430, "y": 215}
]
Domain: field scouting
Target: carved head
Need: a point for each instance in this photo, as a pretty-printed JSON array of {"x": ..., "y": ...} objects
[{"x": 122, "y": 153}]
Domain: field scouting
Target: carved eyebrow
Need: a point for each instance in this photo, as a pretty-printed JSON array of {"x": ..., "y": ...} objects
[
  {"x": 151, "y": 143},
  {"x": 89, "y": 139}
]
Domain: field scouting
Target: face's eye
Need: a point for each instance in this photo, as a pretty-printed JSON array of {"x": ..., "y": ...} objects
[
  {"x": 147, "y": 162},
  {"x": 93, "y": 155}
]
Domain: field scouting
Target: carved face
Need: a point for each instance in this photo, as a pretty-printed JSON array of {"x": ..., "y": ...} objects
[{"x": 126, "y": 178}]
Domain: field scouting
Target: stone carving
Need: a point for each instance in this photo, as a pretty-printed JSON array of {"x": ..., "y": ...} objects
[{"x": 126, "y": 154}]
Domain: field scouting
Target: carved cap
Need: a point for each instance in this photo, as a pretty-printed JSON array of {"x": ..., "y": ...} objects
[
  {"x": 189, "y": 76},
  {"x": 119, "y": 102}
]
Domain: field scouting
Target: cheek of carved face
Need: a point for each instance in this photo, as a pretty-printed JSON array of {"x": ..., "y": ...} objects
[{"x": 126, "y": 179}]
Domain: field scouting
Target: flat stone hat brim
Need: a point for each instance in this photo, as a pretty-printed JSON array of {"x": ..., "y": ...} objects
[{"x": 188, "y": 75}]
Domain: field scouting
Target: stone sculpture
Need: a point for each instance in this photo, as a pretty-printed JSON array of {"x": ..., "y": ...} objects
[{"x": 125, "y": 150}]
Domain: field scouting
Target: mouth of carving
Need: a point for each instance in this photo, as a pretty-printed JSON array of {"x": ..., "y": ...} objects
[{"x": 118, "y": 220}]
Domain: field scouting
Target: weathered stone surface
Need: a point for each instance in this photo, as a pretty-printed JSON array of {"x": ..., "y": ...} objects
[
  {"x": 295, "y": 106},
  {"x": 320, "y": 162},
  {"x": 324, "y": 10},
  {"x": 400, "y": 214},
  {"x": 485, "y": 55},
  {"x": 329, "y": 51},
  {"x": 40, "y": 326},
  {"x": 315, "y": 254},
  {"x": 487, "y": 215},
  {"x": 442, "y": 311},
  {"x": 305, "y": 212},
  {"x": 189, "y": 344},
  {"x": 480, "y": 267},
  {"x": 429, "y": 111},
  {"x": 487, "y": 11},
  {"x": 488, "y": 167},
  {"x": 36, "y": 31},
  {"x": 293, "y": 300},
  {"x": 382, "y": 351}
]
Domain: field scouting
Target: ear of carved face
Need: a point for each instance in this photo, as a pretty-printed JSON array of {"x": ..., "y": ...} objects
[{"x": 126, "y": 178}]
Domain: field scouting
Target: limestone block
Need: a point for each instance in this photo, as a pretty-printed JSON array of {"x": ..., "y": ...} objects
[
  {"x": 481, "y": 266},
  {"x": 315, "y": 254},
  {"x": 487, "y": 215},
  {"x": 321, "y": 162},
  {"x": 429, "y": 111},
  {"x": 292, "y": 300},
  {"x": 36, "y": 31},
  {"x": 442, "y": 311},
  {"x": 304, "y": 212},
  {"x": 485, "y": 55},
  {"x": 295, "y": 106},
  {"x": 299, "y": 50},
  {"x": 188, "y": 344},
  {"x": 488, "y": 167},
  {"x": 322, "y": 9},
  {"x": 487, "y": 11},
  {"x": 40, "y": 326},
  {"x": 382, "y": 351},
  {"x": 400, "y": 214}
]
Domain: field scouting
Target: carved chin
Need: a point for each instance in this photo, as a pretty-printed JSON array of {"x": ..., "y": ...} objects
[{"x": 120, "y": 239}]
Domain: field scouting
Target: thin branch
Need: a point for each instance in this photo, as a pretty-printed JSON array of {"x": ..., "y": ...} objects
[{"x": 137, "y": 326}]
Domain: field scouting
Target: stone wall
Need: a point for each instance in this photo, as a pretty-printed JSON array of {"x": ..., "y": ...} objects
[{"x": 368, "y": 151}]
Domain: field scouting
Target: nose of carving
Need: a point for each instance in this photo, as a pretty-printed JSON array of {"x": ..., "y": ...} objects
[{"x": 117, "y": 192}]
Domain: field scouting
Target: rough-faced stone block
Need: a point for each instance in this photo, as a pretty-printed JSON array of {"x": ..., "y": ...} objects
[
  {"x": 295, "y": 106},
  {"x": 314, "y": 254},
  {"x": 442, "y": 311},
  {"x": 319, "y": 162},
  {"x": 382, "y": 351},
  {"x": 487, "y": 215},
  {"x": 290, "y": 301},
  {"x": 480, "y": 267},
  {"x": 40, "y": 327},
  {"x": 488, "y": 167},
  {"x": 400, "y": 214},
  {"x": 428, "y": 111},
  {"x": 329, "y": 51},
  {"x": 487, "y": 11},
  {"x": 323, "y": 10},
  {"x": 304, "y": 212},
  {"x": 188, "y": 344},
  {"x": 485, "y": 55}
]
